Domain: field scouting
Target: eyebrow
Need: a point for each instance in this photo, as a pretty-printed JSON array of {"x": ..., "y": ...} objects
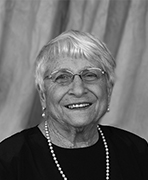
[{"x": 66, "y": 69}]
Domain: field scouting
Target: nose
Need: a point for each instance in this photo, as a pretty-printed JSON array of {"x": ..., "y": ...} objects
[{"x": 78, "y": 87}]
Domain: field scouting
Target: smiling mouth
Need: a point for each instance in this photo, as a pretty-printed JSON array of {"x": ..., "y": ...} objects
[{"x": 74, "y": 106}]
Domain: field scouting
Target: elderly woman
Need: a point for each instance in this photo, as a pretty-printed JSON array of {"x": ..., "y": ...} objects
[{"x": 74, "y": 78}]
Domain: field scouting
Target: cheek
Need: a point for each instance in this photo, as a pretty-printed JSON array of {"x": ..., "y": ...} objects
[
  {"x": 102, "y": 96},
  {"x": 53, "y": 109},
  {"x": 54, "y": 96},
  {"x": 100, "y": 91}
]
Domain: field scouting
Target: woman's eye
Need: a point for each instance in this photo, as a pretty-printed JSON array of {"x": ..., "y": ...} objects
[
  {"x": 62, "y": 78},
  {"x": 90, "y": 76}
]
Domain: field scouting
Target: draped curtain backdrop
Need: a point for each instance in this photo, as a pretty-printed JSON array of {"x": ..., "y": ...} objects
[{"x": 26, "y": 25}]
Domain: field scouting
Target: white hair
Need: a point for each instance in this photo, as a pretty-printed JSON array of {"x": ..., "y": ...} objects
[{"x": 74, "y": 44}]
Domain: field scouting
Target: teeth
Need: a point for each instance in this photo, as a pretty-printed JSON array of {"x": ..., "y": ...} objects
[{"x": 77, "y": 106}]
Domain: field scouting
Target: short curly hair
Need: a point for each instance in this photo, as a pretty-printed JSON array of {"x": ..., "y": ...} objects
[{"x": 74, "y": 44}]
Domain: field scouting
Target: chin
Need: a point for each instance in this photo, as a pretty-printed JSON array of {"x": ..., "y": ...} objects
[{"x": 80, "y": 122}]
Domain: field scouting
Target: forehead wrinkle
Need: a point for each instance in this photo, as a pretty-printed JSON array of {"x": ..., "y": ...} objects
[{"x": 56, "y": 65}]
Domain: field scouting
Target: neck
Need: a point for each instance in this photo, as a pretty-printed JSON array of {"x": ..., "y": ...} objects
[{"x": 72, "y": 137}]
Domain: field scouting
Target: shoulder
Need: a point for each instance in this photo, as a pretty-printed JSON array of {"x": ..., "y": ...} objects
[
  {"x": 126, "y": 138},
  {"x": 12, "y": 145},
  {"x": 130, "y": 150}
]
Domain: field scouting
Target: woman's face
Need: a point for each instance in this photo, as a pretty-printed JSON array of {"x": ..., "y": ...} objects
[{"x": 78, "y": 104}]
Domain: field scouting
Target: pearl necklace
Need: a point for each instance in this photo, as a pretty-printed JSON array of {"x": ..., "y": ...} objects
[{"x": 55, "y": 158}]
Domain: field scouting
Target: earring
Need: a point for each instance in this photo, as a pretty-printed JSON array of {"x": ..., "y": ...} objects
[
  {"x": 108, "y": 104},
  {"x": 108, "y": 109},
  {"x": 43, "y": 112}
]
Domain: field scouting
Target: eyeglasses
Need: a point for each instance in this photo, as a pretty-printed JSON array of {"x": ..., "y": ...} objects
[{"x": 65, "y": 77}]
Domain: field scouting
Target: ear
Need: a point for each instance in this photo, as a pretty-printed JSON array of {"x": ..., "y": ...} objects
[
  {"x": 42, "y": 97},
  {"x": 109, "y": 91}
]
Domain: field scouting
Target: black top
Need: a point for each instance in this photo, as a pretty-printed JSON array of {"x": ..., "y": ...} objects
[{"x": 26, "y": 156}]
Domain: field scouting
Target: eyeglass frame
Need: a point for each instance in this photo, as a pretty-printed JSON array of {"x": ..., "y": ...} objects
[{"x": 79, "y": 74}]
